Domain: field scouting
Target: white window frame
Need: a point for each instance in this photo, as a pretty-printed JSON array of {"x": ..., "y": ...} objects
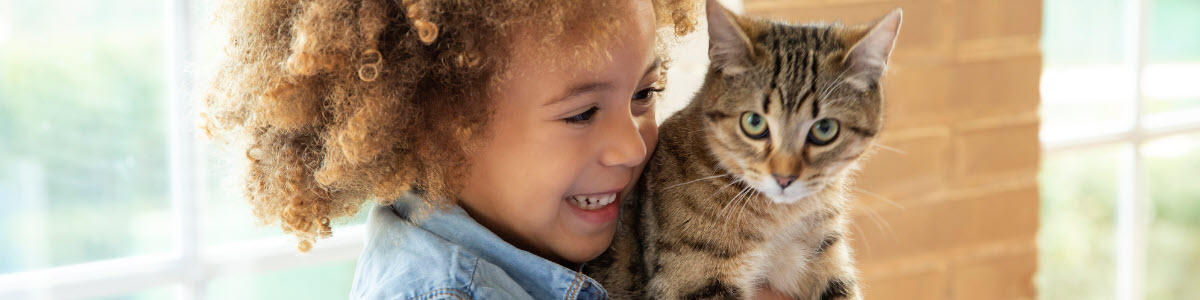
[
  {"x": 190, "y": 266},
  {"x": 1132, "y": 207}
]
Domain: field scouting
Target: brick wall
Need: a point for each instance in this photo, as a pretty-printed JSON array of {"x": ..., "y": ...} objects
[{"x": 950, "y": 209}]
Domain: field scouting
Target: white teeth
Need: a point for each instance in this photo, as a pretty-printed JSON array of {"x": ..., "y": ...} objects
[{"x": 591, "y": 202}]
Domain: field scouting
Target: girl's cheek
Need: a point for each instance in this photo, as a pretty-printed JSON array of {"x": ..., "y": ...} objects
[
  {"x": 638, "y": 109},
  {"x": 648, "y": 127}
]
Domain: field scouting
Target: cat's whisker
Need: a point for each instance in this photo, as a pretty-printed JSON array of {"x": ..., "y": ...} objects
[
  {"x": 890, "y": 148},
  {"x": 749, "y": 196},
  {"x": 736, "y": 207},
  {"x": 880, "y": 222},
  {"x": 743, "y": 200},
  {"x": 865, "y": 240},
  {"x": 722, "y": 211},
  {"x": 720, "y": 217},
  {"x": 880, "y": 197},
  {"x": 736, "y": 198},
  {"x": 693, "y": 181},
  {"x": 746, "y": 201},
  {"x": 725, "y": 224}
]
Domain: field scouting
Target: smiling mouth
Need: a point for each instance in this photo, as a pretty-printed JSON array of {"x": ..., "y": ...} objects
[{"x": 592, "y": 202}]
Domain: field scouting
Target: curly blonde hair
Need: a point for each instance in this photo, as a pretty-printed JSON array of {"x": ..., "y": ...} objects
[{"x": 339, "y": 102}]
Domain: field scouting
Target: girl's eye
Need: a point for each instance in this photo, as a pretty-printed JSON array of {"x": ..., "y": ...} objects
[
  {"x": 645, "y": 94},
  {"x": 823, "y": 132},
  {"x": 753, "y": 125},
  {"x": 583, "y": 117}
]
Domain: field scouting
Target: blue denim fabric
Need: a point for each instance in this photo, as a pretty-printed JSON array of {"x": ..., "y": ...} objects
[{"x": 450, "y": 256}]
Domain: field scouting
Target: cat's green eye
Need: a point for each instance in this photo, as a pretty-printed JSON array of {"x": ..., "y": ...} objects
[
  {"x": 823, "y": 132},
  {"x": 753, "y": 125}
]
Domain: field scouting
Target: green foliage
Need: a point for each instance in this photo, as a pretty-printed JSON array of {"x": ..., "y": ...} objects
[
  {"x": 86, "y": 110},
  {"x": 1173, "y": 240},
  {"x": 1076, "y": 255}
]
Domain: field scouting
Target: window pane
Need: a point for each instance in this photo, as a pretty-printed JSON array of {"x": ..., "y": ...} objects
[
  {"x": 325, "y": 281},
  {"x": 83, "y": 134},
  {"x": 1085, "y": 89},
  {"x": 1172, "y": 95},
  {"x": 1076, "y": 255},
  {"x": 1173, "y": 250}
]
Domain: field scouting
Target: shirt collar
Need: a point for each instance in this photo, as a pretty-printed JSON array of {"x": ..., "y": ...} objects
[{"x": 543, "y": 279}]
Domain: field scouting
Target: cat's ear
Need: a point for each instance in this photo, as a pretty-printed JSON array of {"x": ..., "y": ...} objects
[
  {"x": 869, "y": 55},
  {"x": 728, "y": 46}
]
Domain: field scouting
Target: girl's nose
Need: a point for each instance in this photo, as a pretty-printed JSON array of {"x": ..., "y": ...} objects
[{"x": 623, "y": 143}]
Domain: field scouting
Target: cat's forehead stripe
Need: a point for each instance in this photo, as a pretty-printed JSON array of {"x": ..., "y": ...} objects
[
  {"x": 804, "y": 67},
  {"x": 774, "y": 78},
  {"x": 796, "y": 71},
  {"x": 812, "y": 68}
]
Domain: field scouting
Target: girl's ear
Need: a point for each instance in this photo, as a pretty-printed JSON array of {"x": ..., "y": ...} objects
[
  {"x": 868, "y": 58},
  {"x": 728, "y": 47}
]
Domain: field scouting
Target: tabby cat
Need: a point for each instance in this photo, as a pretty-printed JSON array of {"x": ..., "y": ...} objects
[{"x": 747, "y": 188}]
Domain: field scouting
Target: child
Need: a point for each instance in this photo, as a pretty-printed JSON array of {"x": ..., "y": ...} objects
[{"x": 498, "y": 136}]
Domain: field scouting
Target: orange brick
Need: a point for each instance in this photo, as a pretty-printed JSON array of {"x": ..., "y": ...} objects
[
  {"x": 945, "y": 225},
  {"x": 924, "y": 21},
  {"x": 997, "y": 48},
  {"x": 977, "y": 19},
  {"x": 997, "y": 151},
  {"x": 906, "y": 165},
  {"x": 926, "y": 285},
  {"x": 917, "y": 95},
  {"x": 996, "y": 87},
  {"x": 1004, "y": 277},
  {"x": 897, "y": 233},
  {"x": 999, "y": 215}
]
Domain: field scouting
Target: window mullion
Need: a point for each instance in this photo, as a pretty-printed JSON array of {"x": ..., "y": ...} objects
[
  {"x": 1132, "y": 203},
  {"x": 182, "y": 146}
]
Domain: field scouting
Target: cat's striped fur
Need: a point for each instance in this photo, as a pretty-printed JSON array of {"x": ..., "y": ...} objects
[{"x": 719, "y": 213}]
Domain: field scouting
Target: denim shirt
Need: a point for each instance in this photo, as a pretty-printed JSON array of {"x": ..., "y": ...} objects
[{"x": 450, "y": 256}]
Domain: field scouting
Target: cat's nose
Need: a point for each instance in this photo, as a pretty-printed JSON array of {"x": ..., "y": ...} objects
[{"x": 784, "y": 181}]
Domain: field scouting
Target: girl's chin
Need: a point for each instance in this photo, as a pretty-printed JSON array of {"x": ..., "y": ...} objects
[
  {"x": 589, "y": 229},
  {"x": 585, "y": 250}
]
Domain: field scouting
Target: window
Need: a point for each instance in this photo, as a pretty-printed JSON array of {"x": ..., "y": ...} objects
[
  {"x": 104, "y": 190},
  {"x": 1121, "y": 137}
]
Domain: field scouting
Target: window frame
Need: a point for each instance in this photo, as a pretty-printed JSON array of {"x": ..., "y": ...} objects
[
  {"x": 190, "y": 265},
  {"x": 1133, "y": 202}
]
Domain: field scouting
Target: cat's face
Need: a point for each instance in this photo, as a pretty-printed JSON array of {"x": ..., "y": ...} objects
[{"x": 799, "y": 106}]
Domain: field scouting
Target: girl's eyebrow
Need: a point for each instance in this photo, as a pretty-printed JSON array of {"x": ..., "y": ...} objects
[
  {"x": 653, "y": 66},
  {"x": 589, "y": 87},
  {"x": 584, "y": 89}
]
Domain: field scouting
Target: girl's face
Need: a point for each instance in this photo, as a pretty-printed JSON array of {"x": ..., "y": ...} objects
[{"x": 567, "y": 141}]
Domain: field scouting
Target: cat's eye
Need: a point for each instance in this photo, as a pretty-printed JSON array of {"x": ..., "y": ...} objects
[
  {"x": 823, "y": 132},
  {"x": 753, "y": 125}
]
